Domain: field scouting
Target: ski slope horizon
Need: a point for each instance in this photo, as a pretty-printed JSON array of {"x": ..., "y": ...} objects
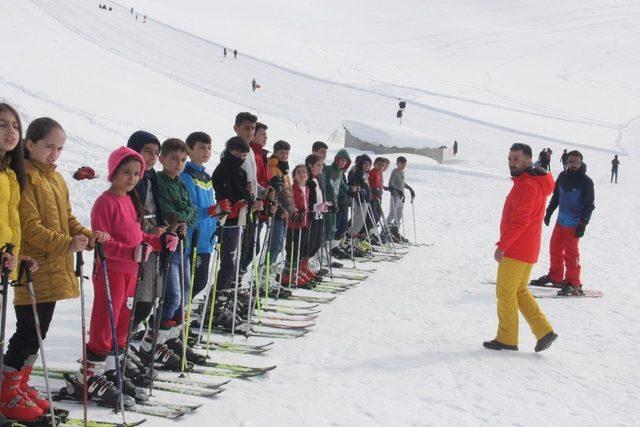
[{"x": 404, "y": 347}]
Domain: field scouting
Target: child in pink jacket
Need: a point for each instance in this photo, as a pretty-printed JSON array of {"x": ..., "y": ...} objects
[{"x": 118, "y": 212}]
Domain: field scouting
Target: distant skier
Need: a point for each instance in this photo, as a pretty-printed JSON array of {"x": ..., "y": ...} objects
[
  {"x": 110, "y": 9},
  {"x": 144, "y": 21},
  {"x": 517, "y": 251},
  {"x": 455, "y": 147},
  {"x": 224, "y": 52},
  {"x": 614, "y": 168},
  {"x": 543, "y": 159},
  {"x": 564, "y": 158},
  {"x": 253, "y": 85},
  {"x": 575, "y": 195},
  {"x": 132, "y": 11},
  {"x": 549, "y": 153},
  {"x": 235, "y": 53}
]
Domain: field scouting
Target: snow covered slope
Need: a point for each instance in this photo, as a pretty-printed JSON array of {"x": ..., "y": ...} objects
[{"x": 404, "y": 347}]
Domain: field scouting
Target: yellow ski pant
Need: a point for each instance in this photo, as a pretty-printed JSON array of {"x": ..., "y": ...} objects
[{"x": 512, "y": 291}]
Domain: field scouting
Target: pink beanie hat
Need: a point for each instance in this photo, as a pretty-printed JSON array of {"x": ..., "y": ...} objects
[{"x": 118, "y": 155}]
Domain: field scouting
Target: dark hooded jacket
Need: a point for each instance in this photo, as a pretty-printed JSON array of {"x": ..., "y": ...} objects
[
  {"x": 230, "y": 181},
  {"x": 136, "y": 142},
  {"x": 574, "y": 194},
  {"x": 358, "y": 177}
]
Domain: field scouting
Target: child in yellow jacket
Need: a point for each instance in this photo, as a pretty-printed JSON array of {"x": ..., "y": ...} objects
[{"x": 51, "y": 235}]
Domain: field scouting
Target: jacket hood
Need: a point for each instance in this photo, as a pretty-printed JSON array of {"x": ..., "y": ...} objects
[
  {"x": 232, "y": 160},
  {"x": 361, "y": 159},
  {"x": 343, "y": 154},
  {"x": 539, "y": 176}
]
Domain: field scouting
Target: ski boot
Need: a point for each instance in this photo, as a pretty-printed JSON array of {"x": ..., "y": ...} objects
[
  {"x": 164, "y": 359},
  {"x": 99, "y": 388},
  {"x": 128, "y": 388},
  {"x": 570, "y": 290},
  {"x": 175, "y": 345},
  {"x": 15, "y": 403},
  {"x": 340, "y": 253},
  {"x": 137, "y": 371},
  {"x": 546, "y": 282},
  {"x": 33, "y": 394}
]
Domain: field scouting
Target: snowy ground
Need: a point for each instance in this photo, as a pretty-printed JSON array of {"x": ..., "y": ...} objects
[{"x": 404, "y": 347}]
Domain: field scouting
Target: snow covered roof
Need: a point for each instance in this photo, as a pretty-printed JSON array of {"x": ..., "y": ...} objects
[{"x": 390, "y": 135}]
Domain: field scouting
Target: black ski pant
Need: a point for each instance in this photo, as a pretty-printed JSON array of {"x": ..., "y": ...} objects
[
  {"x": 312, "y": 239},
  {"x": 246, "y": 252},
  {"x": 24, "y": 341},
  {"x": 228, "y": 247},
  {"x": 614, "y": 173},
  {"x": 291, "y": 248}
]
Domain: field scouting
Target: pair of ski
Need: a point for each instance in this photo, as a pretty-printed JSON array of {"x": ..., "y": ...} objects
[
  {"x": 70, "y": 422},
  {"x": 535, "y": 285}
]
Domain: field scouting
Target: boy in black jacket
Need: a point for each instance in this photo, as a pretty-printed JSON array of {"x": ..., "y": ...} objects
[{"x": 232, "y": 192}]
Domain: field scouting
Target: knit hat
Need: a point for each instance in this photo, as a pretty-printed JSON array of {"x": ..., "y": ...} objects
[
  {"x": 118, "y": 155},
  {"x": 140, "y": 138}
]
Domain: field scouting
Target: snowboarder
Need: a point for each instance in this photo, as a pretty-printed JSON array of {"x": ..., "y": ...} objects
[
  {"x": 455, "y": 147},
  {"x": 564, "y": 158},
  {"x": 253, "y": 85},
  {"x": 574, "y": 194},
  {"x": 42, "y": 236},
  {"x": 517, "y": 251},
  {"x": 235, "y": 53},
  {"x": 614, "y": 168}
]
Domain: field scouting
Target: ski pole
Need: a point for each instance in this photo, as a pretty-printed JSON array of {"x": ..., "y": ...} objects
[
  {"x": 214, "y": 290},
  {"x": 385, "y": 226},
  {"x": 374, "y": 224},
  {"x": 242, "y": 221},
  {"x": 182, "y": 290},
  {"x": 255, "y": 260},
  {"x": 134, "y": 304},
  {"x": 293, "y": 251},
  {"x": 298, "y": 258},
  {"x": 210, "y": 283},
  {"x": 85, "y": 392},
  {"x": 163, "y": 263},
  {"x": 413, "y": 215},
  {"x": 8, "y": 249},
  {"x": 24, "y": 268},
  {"x": 112, "y": 324},
  {"x": 187, "y": 315},
  {"x": 351, "y": 232},
  {"x": 364, "y": 217}
]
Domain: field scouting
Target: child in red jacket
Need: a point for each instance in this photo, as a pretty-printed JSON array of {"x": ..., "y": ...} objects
[
  {"x": 118, "y": 212},
  {"x": 298, "y": 222}
]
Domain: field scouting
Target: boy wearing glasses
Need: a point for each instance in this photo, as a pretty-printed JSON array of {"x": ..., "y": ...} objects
[{"x": 574, "y": 194}]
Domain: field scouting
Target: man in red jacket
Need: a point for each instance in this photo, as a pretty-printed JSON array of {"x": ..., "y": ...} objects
[{"x": 518, "y": 250}]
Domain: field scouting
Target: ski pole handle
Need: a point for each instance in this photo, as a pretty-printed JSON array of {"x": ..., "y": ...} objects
[
  {"x": 24, "y": 269},
  {"x": 100, "y": 251},
  {"x": 79, "y": 263},
  {"x": 8, "y": 248}
]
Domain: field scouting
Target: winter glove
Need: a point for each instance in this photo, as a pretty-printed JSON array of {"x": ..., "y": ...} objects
[
  {"x": 223, "y": 207},
  {"x": 236, "y": 207},
  {"x": 320, "y": 208},
  {"x": 170, "y": 241},
  {"x": 141, "y": 252},
  {"x": 547, "y": 219},
  {"x": 413, "y": 194},
  {"x": 277, "y": 182},
  {"x": 580, "y": 230}
]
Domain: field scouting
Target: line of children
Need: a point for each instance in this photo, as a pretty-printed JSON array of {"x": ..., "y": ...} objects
[{"x": 141, "y": 220}]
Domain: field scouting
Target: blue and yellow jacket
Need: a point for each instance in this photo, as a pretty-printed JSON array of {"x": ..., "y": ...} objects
[
  {"x": 574, "y": 194},
  {"x": 201, "y": 193}
]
